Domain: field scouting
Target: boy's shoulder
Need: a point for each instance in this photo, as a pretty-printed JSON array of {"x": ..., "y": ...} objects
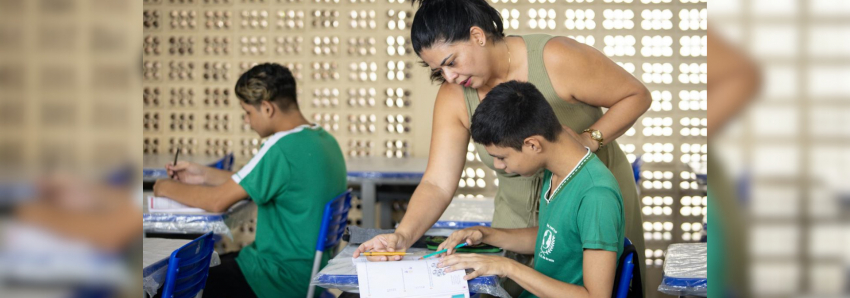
[
  {"x": 598, "y": 176},
  {"x": 291, "y": 139}
]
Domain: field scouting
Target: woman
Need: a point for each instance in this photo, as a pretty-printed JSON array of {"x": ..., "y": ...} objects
[{"x": 464, "y": 45}]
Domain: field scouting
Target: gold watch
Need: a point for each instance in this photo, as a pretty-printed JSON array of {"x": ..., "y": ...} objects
[{"x": 595, "y": 135}]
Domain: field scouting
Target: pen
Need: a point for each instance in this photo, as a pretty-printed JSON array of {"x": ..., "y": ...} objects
[
  {"x": 175, "y": 161},
  {"x": 442, "y": 251}
]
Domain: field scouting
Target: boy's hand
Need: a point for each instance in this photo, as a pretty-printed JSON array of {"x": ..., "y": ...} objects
[
  {"x": 159, "y": 188},
  {"x": 187, "y": 172},
  {"x": 481, "y": 264},
  {"x": 472, "y": 236},
  {"x": 384, "y": 242}
]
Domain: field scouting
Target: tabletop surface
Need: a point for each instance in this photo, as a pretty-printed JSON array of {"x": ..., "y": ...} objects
[
  {"x": 157, "y": 251},
  {"x": 382, "y": 167},
  {"x": 464, "y": 212}
]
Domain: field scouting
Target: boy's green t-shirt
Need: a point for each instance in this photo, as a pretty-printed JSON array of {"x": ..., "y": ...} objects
[
  {"x": 291, "y": 178},
  {"x": 585, "y": 213}
]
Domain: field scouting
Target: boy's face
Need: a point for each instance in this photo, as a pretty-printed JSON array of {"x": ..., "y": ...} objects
[
  {"x": 257, "y": 118},
  {"x": 525, "y": 163}
]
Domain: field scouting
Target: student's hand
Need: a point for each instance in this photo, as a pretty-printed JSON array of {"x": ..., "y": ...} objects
[
  {"x": 187, "y": 172},
  {"x": 481, "y": 264},
  {"x": 383, "y": 242},
  {"x": 160, "y": 186},
  {"x": 472, "y": 236}
]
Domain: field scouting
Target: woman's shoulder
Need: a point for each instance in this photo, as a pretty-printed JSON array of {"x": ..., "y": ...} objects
[
  {"x": 451, "y": 101},
  {"x": 450, "y": 90},
  {"x": 451, "y": 95},
  {"x": 559, "y": 49}
]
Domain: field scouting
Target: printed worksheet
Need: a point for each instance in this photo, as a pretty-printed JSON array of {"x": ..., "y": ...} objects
[
  {"x": 409, "y": 278},
  {"x": 163, "y": 204}
]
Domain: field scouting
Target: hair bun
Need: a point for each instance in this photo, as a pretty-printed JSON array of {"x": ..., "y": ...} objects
[{"x": 430, "y": 2}]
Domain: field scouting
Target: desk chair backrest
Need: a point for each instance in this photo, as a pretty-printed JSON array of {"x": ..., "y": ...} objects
[
  {"x": 188, "y": 267},
  {"x": 225, "y": 163},
  {"x": 636, "y": 165},
  {"x": 334, "y": 221},
  {"x": 623, "y": 286}
]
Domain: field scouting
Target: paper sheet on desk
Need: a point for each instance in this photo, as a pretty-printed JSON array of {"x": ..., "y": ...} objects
[
  {"x": 162, "y": 204},
  {"x": 409, "y": 278}
]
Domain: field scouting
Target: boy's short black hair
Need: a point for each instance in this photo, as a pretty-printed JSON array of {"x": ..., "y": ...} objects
[
  {"x": 270, "y": 82},
  {"x": 512, "y": 112},
  {"x": 450, "y": 20}
]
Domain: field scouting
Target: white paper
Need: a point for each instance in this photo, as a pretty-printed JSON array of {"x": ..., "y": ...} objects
[
  {"x": 409, "y": 278},
  {"x": 163, "y": 204}
]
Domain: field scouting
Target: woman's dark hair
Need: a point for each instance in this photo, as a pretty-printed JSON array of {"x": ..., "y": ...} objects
[
  {"x": 267, "y": 82},
  {"x": 449, "y": 21},
  {"x": 512, "y": 112}
]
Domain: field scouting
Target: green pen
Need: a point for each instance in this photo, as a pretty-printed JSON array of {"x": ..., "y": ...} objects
[{"x": 442, "y": 251}]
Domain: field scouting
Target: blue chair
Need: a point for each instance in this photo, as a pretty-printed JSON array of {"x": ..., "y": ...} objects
[
  {"x": 225, "y": 163},
  {"x": 626, "y": 270},
  {"x": 334, "y": 221},
  {"x": 188, "y": 267},
  {"x": 636, "y": 165}
]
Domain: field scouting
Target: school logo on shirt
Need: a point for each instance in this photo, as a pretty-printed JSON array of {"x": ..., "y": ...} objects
[{"x": 548, "y": 243}]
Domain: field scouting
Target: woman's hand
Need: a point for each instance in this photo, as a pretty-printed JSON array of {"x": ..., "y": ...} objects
[
  {"x": 481, "y": 264},
  {"x": 187, "y": 172},
  {"x": 584, "y": 139},
  {"x": 383, "y": 242},
  {"x": 472, "y": 236}
]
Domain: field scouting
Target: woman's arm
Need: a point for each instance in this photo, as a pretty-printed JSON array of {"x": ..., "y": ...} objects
[
  {"x": 449, "y": 139},
  {"x": 583, "y": 74},
  {"x": 735, "y": 79}
]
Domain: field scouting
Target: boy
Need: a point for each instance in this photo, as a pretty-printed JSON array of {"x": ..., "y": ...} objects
[
  {"x": 581, "y": 224},
  {"x": 299, "y": 169}
]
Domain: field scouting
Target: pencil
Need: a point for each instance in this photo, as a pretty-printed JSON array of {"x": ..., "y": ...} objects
[
  {"x": 385, "y": 253},
  {"x": 177, "y": 153},
  {"x": 443, "y": 251}
]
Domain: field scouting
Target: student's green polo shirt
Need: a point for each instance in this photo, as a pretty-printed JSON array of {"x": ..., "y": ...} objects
[
  {"x": 291, "y": 178},
  {"x": 586, "y": 212}
]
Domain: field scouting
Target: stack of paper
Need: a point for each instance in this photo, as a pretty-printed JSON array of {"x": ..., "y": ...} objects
[
  {"x": 409, "y": 278},
  {"x": 163, "y": 204}
]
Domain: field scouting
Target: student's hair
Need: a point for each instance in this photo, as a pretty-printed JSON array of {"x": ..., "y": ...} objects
[
  {"x": 267, "y": 82},
  {"x": 512, "y": 112},
  {"x": 450, "y": 20}
]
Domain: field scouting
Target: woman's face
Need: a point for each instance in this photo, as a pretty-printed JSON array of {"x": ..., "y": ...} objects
[{"x": 462, "y": 62}]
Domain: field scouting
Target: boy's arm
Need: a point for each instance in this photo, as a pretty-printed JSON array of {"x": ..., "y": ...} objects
[
  {"x": 210, "y": 198},
  {"x": 196, "y": 174},
  {"x": 599, "y": 268},
  {"x": 521, "y": 241},
  {"x": 216, "y": 177},
  {"x": 516, "y": 240}
]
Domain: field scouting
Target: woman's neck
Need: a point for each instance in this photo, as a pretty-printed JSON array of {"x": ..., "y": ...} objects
[{"x": 502, "y": 58}]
